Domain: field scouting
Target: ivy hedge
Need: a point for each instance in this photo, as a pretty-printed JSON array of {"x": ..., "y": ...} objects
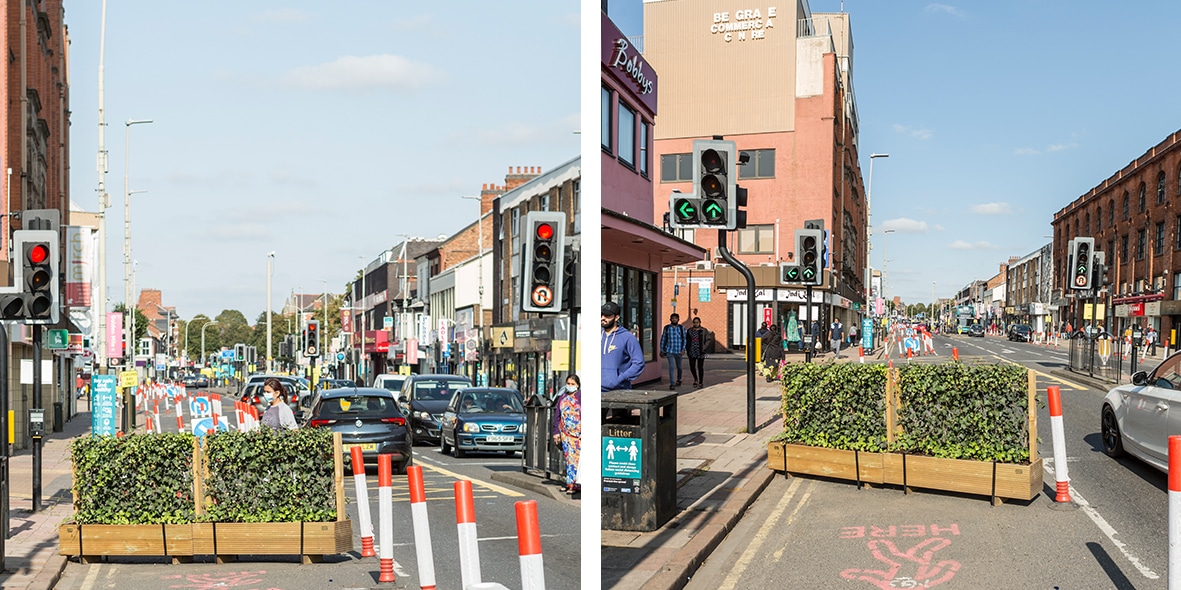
[
  {"x": 949, "y": 410},
  {"x": 260, "y": 476}
]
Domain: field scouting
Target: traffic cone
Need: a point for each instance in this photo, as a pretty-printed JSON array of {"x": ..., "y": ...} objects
[{"x": 955, "y": 354}]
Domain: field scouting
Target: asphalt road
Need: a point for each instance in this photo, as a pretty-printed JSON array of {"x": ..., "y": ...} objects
[
  {"x": 496, "y": 531},
  {"x": 814, "y": 532}
]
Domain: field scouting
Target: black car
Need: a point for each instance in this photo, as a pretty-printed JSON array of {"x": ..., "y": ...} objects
[
  {"x": 368, "y": 418},
  {"x": 1020, "y": 333},
  {"x": 976, "y": 330},
  {"x": 424, "y": 399},
  {"x": 195, "y": 380}
]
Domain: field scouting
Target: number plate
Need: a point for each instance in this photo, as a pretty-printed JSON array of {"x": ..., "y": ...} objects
[
  {"x": 499, "y": 438},
  {"x": 364, "y": 446}
]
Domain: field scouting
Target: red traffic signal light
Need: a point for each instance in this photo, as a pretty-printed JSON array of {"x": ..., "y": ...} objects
[
  {"x": 38, "y": 253},
  {"x": 545, "y": 231}
]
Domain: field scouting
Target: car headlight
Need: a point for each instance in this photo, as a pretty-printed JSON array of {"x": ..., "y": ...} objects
[
  {"x": 422, "y": 415},
  {"x": 470, "y": 427}
]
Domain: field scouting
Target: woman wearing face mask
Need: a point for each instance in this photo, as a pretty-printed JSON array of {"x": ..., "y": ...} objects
[
  {"x": 567, "y": 430},
  {"x": 279, "y": 414}
]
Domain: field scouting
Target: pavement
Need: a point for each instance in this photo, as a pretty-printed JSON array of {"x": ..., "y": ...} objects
[
  {"x": 721, "y": 470},
  {"x": 31, "y": 558}
]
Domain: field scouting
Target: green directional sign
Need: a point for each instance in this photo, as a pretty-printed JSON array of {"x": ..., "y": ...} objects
[
  {"x": 685, "y": 211},
  {"x": 809, "y": 273},
  {"x": 58, "y": 339},
  {"x": 790, "y": 274},
  {"x": 714, "y": 212}
]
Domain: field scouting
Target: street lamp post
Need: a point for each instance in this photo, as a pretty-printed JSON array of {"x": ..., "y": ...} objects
[
  {"x": 270, "y": 271},
  {"x": 362, "y": 369},
  {"x": 186, "y": 344},
  {"x": 480, "y": 279},
  {"x": 127, "y": 192},
  {"x": 324, "y": 327},
  {"x": 884, "y": 262},
  {"x": 207, "y": 324},
  {"x": 869, "y": 228}
]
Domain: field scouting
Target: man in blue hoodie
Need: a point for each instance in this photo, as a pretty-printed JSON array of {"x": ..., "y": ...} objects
[{"x": 623, "y": 359}]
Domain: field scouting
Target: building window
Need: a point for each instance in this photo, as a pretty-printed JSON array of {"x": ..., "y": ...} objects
[
  {"x": 644, "y": 127},
  {"x": 1123, "y": 247},
  {"x": 543, "y": 202},
  {"x": 1111, "y": 213},
  {"x": 516, "y": 221},
  {"x": 1179, "y": 180},
  {"x": 1158, "y": 245},
  {"x": 1110, "y": 252},
  {"x": 627, "y": 135},
  {"x": 1125, "y": 205},
  {"x": 1160, "y": 187},
  {"x": 761, "y": 164},
  {"x": 635, "y": 292},
  {"x": 1140, "y": 244},
  {"x": 757, "y": 239},
  {"x": 1098, "y": 218},
  {"x": 605, "y": 112},
  {"x": 1142, "y": 203},
  {"x": 1177, "y": 286},
  {"x": 1088, "y": 226},
  {"x": 676, "y": 168}
]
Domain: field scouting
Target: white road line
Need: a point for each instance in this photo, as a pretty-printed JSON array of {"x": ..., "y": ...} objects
[
  {"x": 760, "y": 537},
  {"x": 1105, "y": 527},
  {"x": 91, "y": 576},
  {"x": 790, "y": 519}
]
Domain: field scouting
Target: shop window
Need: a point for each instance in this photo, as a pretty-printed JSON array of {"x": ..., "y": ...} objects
[
  {"x": 635, "y": 292},
  {"x": 644, "y": 131},
  {"x": 605, "y": 116},
  {"x": 627, "y": 135}
]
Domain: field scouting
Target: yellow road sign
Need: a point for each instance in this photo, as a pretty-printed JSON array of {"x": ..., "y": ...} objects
[{"x": 128, "y": 379}]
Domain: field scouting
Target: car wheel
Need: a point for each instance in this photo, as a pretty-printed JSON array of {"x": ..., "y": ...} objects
[
  {"x": 1113, "y": 444},
  {"x": 459, "y": 453},
  {"x": 444, "y": 448}
]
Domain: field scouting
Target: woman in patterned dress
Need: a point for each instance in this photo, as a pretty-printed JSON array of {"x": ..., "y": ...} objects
[{"x": 567, "y": 430}]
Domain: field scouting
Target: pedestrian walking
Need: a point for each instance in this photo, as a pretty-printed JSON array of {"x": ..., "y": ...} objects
[
  {"x": 772, "y": 350},
  {"x": 567, "y": 430},
  {"x": 815, "y": 336},
  {"x": 279, "y": 414},
  {"x": 509, "y": 382},
  {"x": 695, "y": 340},
  {"x": 1150, "y": 340},
  {"x": 672, "y": 347},
  {"x": 834, "y": 335},
  {"x": 622, "y": 357}
]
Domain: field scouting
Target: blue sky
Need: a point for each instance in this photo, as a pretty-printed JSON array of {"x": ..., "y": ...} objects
[
  {"x": 319, "y": 130},
  {"x": 995, "y": 115}
]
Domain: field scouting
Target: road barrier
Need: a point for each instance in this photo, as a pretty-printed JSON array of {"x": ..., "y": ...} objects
[
  {"x": 1060, "y": 469},
  {"x": 955, "y": 353},
  {"x": 385, "y": 503},
  {"x": 861, "y": 354},
  {"x": 1174, "y": 512},
  {"x": 363, "y": 515},
  {"x": 422, "y": 528},
  {"x": 529, "y": 546},
  {"x": 465, "y": 522}
]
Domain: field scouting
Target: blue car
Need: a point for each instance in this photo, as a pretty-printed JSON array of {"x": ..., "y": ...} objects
[{"x": 483, "y": 419}]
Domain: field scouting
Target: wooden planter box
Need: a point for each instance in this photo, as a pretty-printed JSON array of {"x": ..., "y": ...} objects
[
  {"x": 224, "y": 540},
  {"x": 997, "y": 480}
]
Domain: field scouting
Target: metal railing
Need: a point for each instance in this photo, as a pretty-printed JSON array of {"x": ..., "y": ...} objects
[{"x": 1107, "y": 358}]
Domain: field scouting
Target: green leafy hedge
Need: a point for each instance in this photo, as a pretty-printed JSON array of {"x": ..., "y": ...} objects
[
  {"x": 950, "y": 410},
  {"x": 136, "y": 479},
  {"x": 260, "y": 476},
  {"x": 271, "y": 475}
]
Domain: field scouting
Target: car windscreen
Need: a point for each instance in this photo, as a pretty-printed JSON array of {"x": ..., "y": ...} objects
[
  {"x": 357, "y": 406},
  {"x": 393, "y": 384},
  {"x": 489, "y": 402},
  {"x": 436, "y": 390}
]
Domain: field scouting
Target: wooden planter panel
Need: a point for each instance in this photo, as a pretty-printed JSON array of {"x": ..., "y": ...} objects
[
  {"x": 122, "y": 539},
  {"x": 202, "y": 538},
  {"x": 812, "y": 460},
  {"x": 258, "y": 538},
  {"x": 178, "y": 539},
  {"x": 952, "y": 475},
  {"x": 1021, "y": 482},
  {"x": 69, "y": 539},
  {"x": 327, "y": 538}
]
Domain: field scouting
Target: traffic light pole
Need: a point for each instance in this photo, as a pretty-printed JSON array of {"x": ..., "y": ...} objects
[
  {"x": 751, "y": 322},
  {"x": 4, "y": 433},
  {"x": 811, "y": 345},
  {"x": 37, "y": 406}
]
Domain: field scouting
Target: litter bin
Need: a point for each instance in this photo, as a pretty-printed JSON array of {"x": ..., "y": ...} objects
[
  {"x": 57, "y": 417},
  {"x": 541, "y": 454},
  {"x": 639, "y": 450}
]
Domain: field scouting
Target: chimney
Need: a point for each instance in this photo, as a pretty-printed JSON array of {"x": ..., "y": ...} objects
[
  {"x": 521, "y": 176},
  {"x": 487, "y": 194}
]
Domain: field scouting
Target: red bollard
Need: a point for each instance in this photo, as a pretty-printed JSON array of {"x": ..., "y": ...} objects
[
  {"x": 385, "y": 502},
  {"x": 422, "y": 528},
  {"x": 465, "y": 521},
  {"x": 363, "y": 515},
  {"x": 861, "y": 353},
  {"x": 955, "y": 354},
  {"x": 529, "y": 546},
  {"x": 1059, "y": 436}
]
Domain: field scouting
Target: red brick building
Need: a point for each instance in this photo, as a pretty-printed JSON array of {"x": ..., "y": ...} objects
[{"x": 1135, "y": 220}]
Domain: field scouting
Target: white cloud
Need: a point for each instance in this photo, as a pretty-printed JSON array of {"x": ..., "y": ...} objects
[
  {"x": 915, "y": 132},
  {"x": 367, "y": 72},
  {"x": 938, "y": 227},
  {"x": 1057, "y": 147},
  {"x": 905, "y": 225},
  {"x": 1054, "y": 147},
  {"x": 962, "y": 245},
  {"x": 1026, "y": 151},
  {"x": 992, "y": 209},
  {"x": 945, "y": 9},
  {"x": 282, "y": 15}
]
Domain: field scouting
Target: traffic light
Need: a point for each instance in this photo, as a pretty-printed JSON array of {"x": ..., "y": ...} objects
[
  {"x": 1080, "y": 272},
  {"x": 35, "y": 300},
  {"x": 239, "y": 352},
  {"x": 311, "y": 347},
  {"x": 789, "y": 274},
  {"x": 545, "y": 251},
  {"x": 808, "y": 255},
  {"x": 1099, "y": 276},
  {"x": 570, "y": 280},
  {"x": 714, "y": 201}
]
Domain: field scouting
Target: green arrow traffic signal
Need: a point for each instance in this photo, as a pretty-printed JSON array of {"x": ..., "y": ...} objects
[
  {"x": 713, "y": 211},
  {"x": 809, "y": 273},
  {"x": 685, "y": 211}
]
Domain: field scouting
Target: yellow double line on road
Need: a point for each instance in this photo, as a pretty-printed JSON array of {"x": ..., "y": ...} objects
[
  {"x": 401, "y": 492},
  {"x": 772, "y": 523}
]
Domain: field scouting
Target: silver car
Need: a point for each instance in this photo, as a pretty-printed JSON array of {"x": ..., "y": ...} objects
[{"x": 1138, "y": 418}]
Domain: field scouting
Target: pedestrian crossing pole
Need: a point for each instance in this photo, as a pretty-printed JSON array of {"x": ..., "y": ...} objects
[
  {"x": 751, "y": 322},
  {"x": 37, "y": 405}
]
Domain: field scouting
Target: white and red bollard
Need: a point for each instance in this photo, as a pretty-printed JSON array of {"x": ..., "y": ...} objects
[
  {"x": 363, "y": 515},
  {"x": 1174, "y": 511},
  {"x": 422, "y": 528},
  {"x": 861, "y": 353},
  {"x": 1059, "y": 436},
  {"x": 465, "y": 521},
  {"x": 385, "y": 504},
  {"x": 529, "y": 546}
]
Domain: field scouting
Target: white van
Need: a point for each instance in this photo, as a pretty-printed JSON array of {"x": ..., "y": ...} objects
[{"x": 391, "y": 382}]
